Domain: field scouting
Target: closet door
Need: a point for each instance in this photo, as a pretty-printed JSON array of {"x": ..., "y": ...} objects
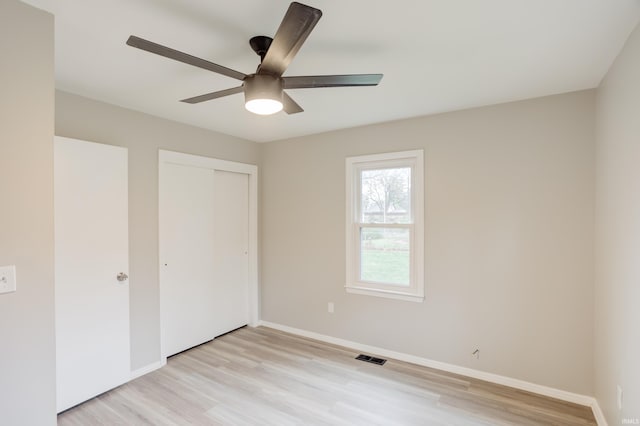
[
  {"x": 187, "y": 271},
  {"x": 230, "y": 250},
  {"x": 91, "y": 264},
  {"x": 204, "y": 234}
]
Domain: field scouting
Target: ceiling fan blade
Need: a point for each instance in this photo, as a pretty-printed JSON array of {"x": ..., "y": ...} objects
[
  {"x": 296, "y": 26},
  {"x": 289, "y": 105},
  {"x": 176, "y": 55},
  {"x": 213, "y": 95},
  {"x": 311, "y": 81}
]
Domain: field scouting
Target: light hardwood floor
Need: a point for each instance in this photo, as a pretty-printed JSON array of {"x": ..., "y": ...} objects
[{"x": 260, "y": 376}]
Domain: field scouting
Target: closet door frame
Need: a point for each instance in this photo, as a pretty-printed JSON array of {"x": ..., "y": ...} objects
[{"x": 178, "y": 158}]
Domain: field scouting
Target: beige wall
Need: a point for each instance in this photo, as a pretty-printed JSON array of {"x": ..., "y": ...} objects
[
  {"x": 617, "y": 313},
  {"x": 509, "y": 239},
  {"x": 509, "y": 218},
  {"x": 27, "y": 346},
  {"x": 143, "y": 135}
]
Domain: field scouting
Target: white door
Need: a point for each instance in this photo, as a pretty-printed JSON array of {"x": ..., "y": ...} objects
[
  {"x": 186, "y": 229},
  {"x": 91, "y": 250},
  {"x": 230, "y": 251},
  {"x": 204, "y": 238}
]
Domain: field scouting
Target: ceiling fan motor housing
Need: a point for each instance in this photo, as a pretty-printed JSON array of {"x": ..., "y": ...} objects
[{"x": 262, "y": 86}]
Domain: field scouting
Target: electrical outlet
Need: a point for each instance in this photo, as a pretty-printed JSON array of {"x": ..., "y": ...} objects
[
  {"x": 7, "y": 279},
  {"x": 619, "y": 398},
  {"x": 330, "y": 307}
]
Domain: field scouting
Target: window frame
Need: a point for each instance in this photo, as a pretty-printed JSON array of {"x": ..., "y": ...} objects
[{"x": 354, "y": 166}]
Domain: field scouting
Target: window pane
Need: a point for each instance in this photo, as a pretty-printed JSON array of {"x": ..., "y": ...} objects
[
  {"x": 384, "y": 255},
  {"x": 385, "y": 195}
]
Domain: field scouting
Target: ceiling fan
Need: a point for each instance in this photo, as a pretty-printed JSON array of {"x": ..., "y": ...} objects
[{"x": 263, "y": 90}]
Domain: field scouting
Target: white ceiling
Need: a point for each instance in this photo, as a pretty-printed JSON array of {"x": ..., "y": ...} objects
[{"x": 436, "y": 55}]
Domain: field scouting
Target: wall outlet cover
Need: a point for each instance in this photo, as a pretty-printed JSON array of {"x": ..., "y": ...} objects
[{"x": 7, "y": 279}]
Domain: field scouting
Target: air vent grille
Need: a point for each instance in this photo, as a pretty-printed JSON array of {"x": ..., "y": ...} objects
[{"x": 371, "y": 359}]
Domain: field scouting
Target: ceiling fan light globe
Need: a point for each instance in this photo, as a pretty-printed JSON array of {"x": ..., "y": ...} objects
[
  {"x": 263, "y": 94},
  {"x": 263, "y": 106}
]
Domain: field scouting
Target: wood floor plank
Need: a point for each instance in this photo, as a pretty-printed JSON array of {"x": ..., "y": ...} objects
[{"x": 260, "y": 376}]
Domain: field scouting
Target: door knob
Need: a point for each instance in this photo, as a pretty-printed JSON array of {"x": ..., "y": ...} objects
[{"x": 122, "y": 276}]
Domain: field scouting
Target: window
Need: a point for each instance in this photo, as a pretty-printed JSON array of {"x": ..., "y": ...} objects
[{"x": 385, "y": 235}]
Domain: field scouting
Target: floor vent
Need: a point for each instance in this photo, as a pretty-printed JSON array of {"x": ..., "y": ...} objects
[{"x": 371, "y": 359}]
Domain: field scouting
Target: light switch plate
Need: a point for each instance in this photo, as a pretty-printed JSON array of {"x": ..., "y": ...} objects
[
  {"x": 7, "y": 279},
  {"x": 619, "y": 397}
]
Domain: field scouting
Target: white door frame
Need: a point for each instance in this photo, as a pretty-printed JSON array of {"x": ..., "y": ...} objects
[{"x": 172, "y": 157}]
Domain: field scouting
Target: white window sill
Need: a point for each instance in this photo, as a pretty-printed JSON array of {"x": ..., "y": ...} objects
[{"x": 398, "y": 295}]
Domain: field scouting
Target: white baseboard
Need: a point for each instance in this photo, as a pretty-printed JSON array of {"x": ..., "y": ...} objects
[
  {"x": 585, "y": 400},
  {"x": 148, "y": 369},
  {"x": 598, "y": 414}
]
